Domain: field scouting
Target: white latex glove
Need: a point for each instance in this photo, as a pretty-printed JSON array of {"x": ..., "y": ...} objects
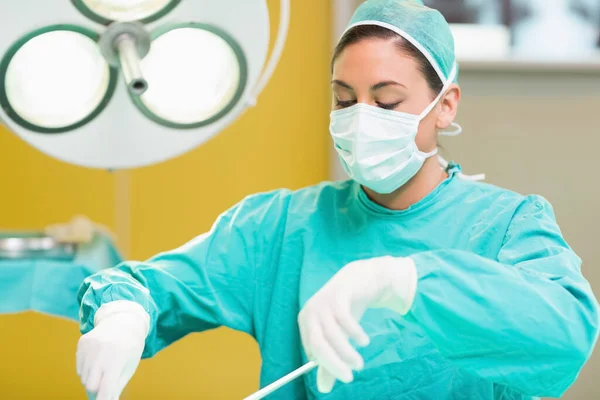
[
  {"x": 332, "y": 316},
  {"x": 109, "y": 354}
]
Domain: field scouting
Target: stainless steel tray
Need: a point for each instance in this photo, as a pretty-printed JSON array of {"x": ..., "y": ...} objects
[{"x": 34, "y": 245}]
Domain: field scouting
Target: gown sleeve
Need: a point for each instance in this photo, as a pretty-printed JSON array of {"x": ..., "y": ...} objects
[
  {"x": 528, "y": 320},
  {"x": 209, "y": 282}
]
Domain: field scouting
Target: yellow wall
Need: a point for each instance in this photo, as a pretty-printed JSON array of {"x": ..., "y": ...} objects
[{"x": 281, "y": 143}]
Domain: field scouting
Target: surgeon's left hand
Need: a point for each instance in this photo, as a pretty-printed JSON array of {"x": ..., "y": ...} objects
[{"x": 332, "y": 316}]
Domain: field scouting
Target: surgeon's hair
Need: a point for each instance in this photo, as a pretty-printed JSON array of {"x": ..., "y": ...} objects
[{"x": 365, "y": 32}]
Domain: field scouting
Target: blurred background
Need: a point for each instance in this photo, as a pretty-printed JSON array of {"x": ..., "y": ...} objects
[{"x": 531, "y": 96}]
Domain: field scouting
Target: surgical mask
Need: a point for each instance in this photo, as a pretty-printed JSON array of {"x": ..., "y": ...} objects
[{"x": 377, "y": 147}]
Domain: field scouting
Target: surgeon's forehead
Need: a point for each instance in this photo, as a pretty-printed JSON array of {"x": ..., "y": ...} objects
[{"x": 371, "y": 61}]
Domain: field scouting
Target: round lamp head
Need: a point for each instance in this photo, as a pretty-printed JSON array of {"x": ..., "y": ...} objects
[
  {"x": 192, "y": 88},
  {"x": 55, "y": 79},
  {"x": 105, "y": 11}
]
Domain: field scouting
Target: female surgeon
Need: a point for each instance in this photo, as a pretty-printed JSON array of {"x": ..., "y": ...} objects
[{"x": 406, "y": 282}]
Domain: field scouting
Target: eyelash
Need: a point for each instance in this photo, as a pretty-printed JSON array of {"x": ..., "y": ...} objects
[
  {"x": 345, "y": 104},
  {"x": 388, "y": 106}
]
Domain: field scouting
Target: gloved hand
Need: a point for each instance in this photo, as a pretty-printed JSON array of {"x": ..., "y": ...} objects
[
  {"x": 109, "y": 354},
  {"x": 333, "y": 314}
]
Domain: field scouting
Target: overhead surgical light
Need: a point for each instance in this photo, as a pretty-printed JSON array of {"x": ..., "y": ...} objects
[{"x": 127, "y": 83}]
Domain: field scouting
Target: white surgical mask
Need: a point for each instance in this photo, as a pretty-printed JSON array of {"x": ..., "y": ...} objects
[{"x": 377, "y": 146}]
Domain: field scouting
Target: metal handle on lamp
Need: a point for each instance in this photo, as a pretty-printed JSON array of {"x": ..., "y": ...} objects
[
  {"x": 130, "y": 64},
  {"x": 125, "y": 44}
]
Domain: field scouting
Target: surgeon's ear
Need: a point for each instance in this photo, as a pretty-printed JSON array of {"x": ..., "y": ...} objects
[{"x": 448, "y": 107}]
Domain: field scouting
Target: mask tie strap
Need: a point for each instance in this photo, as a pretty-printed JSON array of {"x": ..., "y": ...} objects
[
  {"x": 457, "y": 130},
  {"x": 439, "y": 96},
  {"x": 430, "y": 154}
]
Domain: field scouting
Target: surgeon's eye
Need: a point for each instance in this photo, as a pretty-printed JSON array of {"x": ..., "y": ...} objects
[
  {"x": 344, "y": 104},
  {"x": 388, "y": 106}
]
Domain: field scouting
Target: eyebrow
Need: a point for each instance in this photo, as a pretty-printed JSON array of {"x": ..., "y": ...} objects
[
  {"x": 386, "y": 83},
  {"x": 378, "y": 86},
  {"x": 342, "y": 84}
]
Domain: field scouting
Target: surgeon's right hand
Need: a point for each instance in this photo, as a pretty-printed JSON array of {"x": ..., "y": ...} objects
[{"x": 109, "y": 354}]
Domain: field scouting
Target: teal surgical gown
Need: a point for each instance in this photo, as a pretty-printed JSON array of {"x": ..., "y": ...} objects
[{"x": 501, "y": 311}]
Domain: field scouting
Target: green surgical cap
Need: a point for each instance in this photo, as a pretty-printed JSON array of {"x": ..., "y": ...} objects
[{"x": 424, "y": 27}]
